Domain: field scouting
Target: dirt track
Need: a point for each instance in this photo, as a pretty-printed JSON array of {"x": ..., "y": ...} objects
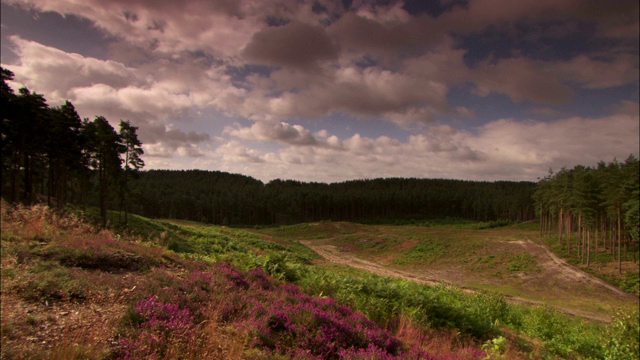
[
  {"x": 556, "y": 264},
  {"x": 556, "y": 272}
]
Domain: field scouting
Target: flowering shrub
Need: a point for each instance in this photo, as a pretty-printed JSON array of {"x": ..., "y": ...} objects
[
  {"x": 279, "y": 318},
  {"x": 285, "y": 320},
  {"x": 375, "y": 353},
  {"x": 160, "y": 324}
]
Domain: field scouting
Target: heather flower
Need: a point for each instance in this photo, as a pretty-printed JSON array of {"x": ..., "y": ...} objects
[
  {"x": 232, "y": 275},
  {"x": 280, "y": 318},
  {"x": 161, "y": 323}
]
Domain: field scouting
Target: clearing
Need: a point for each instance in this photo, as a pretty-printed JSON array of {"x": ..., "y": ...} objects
[{"x": 510, "y": 261}]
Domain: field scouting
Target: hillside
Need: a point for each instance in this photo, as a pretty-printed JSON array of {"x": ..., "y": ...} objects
[
  {"x": 69, "y": 291},
  {"x": 510, "y": 260}
]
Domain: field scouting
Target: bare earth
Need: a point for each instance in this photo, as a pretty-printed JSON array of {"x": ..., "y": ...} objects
[{"x": 557, "y": 281}]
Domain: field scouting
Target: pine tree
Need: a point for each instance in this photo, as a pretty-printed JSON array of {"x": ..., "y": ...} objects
[
  {"x": 63, "y": 148},
  {"x": 104, "y": 149},
  {"x": 132, "y": 161}
]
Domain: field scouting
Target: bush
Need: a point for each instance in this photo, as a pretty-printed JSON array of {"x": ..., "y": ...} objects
[{"x": 623, "y": 335}]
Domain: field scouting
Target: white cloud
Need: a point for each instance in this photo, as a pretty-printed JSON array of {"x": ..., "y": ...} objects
[
  {"x": 54, "y": 72},
  {"x": 234, "y": 152},
  {"x": 504, "y": 149}
]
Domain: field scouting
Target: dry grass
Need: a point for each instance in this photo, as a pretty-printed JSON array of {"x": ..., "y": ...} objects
[
  {"x": 448, "y": 342},
  {"x": 48, "y": 257}
]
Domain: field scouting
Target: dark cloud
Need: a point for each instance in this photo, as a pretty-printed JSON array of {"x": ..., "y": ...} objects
[
  {"x": 295, "y": 45},
  {"x": 385, "y": 39},
  {"x": 159, "y": 133}
]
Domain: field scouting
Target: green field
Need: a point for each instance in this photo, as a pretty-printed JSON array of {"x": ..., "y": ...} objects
[{"x": 479, "y": 268}]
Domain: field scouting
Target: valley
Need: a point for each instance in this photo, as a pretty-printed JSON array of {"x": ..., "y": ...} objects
[
  {"x": 511, "y": 261},
  {"x": 156, "y": 288}
]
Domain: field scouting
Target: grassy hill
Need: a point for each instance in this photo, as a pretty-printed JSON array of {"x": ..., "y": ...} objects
[{"x": 169, "y": 289}]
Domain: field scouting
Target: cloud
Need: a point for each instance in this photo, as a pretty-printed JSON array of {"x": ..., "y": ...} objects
[
  {"x": 386, "y": 39},
  {"x": 375, "y": 60},
  {"x": 520, "y": 79},
  {"x": 169, "y": 26},
  {"x": 414, "y": 60},
  {"x": 598, "y": 74},
  {"x": 235, "y": 152},
  {"x": 295, "y": 45},
  {"x": 503, "y": 149},
  {"x": 277, "y": 131},
  {"x": 55, "y": 72},
  {"x": 613, "y": 19},
  {"x": 372, "y": 91}
]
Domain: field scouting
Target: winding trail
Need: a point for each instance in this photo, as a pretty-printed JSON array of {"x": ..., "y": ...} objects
[
  {"x": 549, "y": 261},
  {"x": 571, "y": 271}
]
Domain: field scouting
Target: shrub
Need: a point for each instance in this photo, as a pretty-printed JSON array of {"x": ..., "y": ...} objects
[{"x": 622, "y": 337}]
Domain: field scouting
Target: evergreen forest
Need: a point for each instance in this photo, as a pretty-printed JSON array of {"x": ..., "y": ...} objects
[
  {"x": 592, "y": 210},
  {"x": 229, "y": 199}
]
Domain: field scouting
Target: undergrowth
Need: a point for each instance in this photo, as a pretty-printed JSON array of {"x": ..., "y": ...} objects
[{"x": 213, "y": 292}]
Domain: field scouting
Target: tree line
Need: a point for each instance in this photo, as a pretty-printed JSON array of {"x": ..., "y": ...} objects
[
  {"x": 222, "y": 198},
  {"x": 592, "y": 209},
  {"x": 50, "y": 152}
]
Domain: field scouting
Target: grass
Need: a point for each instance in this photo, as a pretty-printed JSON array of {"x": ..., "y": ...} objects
[
  {"x": 468, "y": 254},
  {"x": 216, "y": 292}
]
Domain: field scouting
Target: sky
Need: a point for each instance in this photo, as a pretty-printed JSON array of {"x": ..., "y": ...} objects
[{"x": 329, "y": 91}]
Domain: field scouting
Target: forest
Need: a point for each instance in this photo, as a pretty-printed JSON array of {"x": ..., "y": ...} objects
[
  {"x": 229, "y": 199},
  {"x": 592, "y": 209}
]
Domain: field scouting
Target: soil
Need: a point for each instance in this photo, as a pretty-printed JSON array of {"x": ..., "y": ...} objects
[{"x": 70, "y": 329}]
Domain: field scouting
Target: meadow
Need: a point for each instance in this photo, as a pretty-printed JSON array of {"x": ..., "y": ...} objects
[{"x": 172, "y": 289}]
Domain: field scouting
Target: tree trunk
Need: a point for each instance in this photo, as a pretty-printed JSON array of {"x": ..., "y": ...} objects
[
  {"x": 50, "y": 184},
  {"x": 569, "y": 234},
  {"x": 103, "y": 196},
  {"x": 619, "y": 240},
  {"x": 28, "y": 185},
  {"x": 541, "y": 222},
  {"x": 14, "y": 178},
  {"x": 560, "y": 223},
  {"x": 588, "y": 248},
  {"x": 580, "y": 234}
]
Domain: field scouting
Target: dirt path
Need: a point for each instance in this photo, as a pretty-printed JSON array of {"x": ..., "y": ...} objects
[
  {"x": 570, "y": 272},
  {"x": 334, "y": 255},
  {"x": 553, "y": 266}
]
